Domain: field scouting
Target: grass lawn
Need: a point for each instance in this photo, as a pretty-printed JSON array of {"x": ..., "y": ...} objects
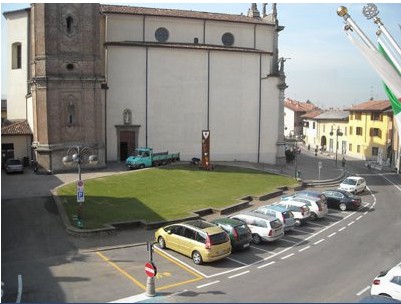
[{"x": 165, "y": 193}]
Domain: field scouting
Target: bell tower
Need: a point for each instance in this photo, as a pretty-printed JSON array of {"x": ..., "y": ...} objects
[{"x": 67, "y": 73}]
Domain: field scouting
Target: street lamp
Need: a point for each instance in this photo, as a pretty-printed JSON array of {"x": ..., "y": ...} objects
[
  {"x": 338, "y": 133},
  {"x": 80, "y": 155}
]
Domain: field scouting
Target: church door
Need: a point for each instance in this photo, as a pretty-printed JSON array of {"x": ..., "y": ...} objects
[{"x": 127, "y": 144}]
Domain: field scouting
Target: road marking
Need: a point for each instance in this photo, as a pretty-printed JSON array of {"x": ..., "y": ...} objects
[
  {"x": 349, "y": 224},
  {"x": 358, "y": 218},
  {"x": 287, "y": 256},
  {"x": 341, "y": 229},
  {"x": 334, "y": 233},
  {"x": 19, "y": 289},
  {"x": 363, "y": 290},
  {"x": 236, "y": 261},
  {"x": 208, "y": 284},
  {"x": 318, "y": 242},
  {"x": 390, "y": 182},
  {"x": 366, "y": 212},
  {"x": 264, "y": 250},
  {"x": 289, "y": 241},
  {"x": 122, "y": 271},
  {"x": 238, "y": 274},
  {"x": 132, "y": 299},
  {"x": 268, "y": 264},
  {"x": 300, "y": 231},
  {"x": 303, "y": 249},
  {"x": 317, "y": 225}
]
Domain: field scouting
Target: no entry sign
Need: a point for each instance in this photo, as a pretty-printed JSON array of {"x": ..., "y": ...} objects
[{"x": 150, "y": 269}]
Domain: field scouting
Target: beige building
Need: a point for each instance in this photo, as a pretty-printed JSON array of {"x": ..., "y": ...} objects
[{"x": 115, "y": 78}]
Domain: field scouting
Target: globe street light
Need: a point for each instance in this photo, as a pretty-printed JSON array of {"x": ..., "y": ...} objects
[
  {"x": 338, "y": 133},
  {"x": 80, "y": 155}
]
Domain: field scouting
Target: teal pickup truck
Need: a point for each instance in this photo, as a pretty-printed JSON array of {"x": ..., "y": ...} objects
[{"x": 144, "y": 157}]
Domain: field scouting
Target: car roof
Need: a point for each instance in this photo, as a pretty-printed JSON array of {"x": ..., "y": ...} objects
[
  {"x": 228, "y": 221},
  {"x": 355, "y": 177},
  {"x": 291, "y": 202},
  {"x": 259, "y": 215},
  {"x": 207, "y": 227},
  {"x": 274, "y": 207},
  {"x": 308, "y": 192}
]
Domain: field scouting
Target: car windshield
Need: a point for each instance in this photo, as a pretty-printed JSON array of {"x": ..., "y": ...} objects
[
  {"x": 349, "y": 181},
  {"x": 14, "y": 162},
  {"x": 288, "y": 214},
  {"x": 275, "y": 224},
  {"x": 218, "y": 238},
  {"x": 242, "y": 229}
]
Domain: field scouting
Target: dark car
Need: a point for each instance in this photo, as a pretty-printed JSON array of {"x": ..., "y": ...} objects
[
  {"x": 342, "y": 199},
  {"x": 13, "y": 165},
  {"x": 239, "y": 233}
]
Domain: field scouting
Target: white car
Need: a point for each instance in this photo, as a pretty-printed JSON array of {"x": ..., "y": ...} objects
[
  {"x": 317, "y": 207},
  {"x": 353, "y": 184},
  {"x": 388, "y": 283},
  {"x": 300, "y": 210},
  {"x": 263, "y": 227}
]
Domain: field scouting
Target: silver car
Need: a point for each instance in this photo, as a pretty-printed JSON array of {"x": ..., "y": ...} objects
[
  {"x": 13, "y": 165},
  {"x": 280, "y": 212}
]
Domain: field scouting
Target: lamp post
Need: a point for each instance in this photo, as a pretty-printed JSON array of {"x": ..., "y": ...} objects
[
  {"x": 80, "y": 155},
  {"x": 338, "y": 133}
]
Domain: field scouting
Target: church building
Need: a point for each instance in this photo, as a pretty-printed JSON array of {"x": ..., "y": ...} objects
[{"x": 114, "y": 78}]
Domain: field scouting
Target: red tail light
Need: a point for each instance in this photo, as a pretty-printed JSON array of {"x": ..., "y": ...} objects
[
  {"x": 236, "y": 237},
  {"x": 207, "y": 243},
  {"x": 376, "y": 282},
  {"x": 320, "y": 207},
  {"x": 271, "y": 232}
]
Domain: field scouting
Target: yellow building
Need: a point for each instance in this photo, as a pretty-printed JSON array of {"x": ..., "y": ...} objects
[{"x": 370, "y": 130}]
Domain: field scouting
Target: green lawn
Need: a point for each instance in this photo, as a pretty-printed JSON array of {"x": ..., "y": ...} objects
[{"x": 166, "y": 193}]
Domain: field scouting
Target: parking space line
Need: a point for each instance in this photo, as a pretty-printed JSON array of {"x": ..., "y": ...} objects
[
  {"x": 236, "y": 261},
  {"x": 318, "y": 242},
  {"x": 341, "y": 229},
  {"x": 178, "y": 284},
  {"x": 349, "y": 224},
  {"x": 122, "y": 271},
  {"x": 289, "y": 241},
  {"x": 300, "y": 231},
  {"x": 363, "y": 290},
  {"x": 238, "y": 274},
  {"x": 179, "y": 263},
  {"x": 268, "y": 264},
  {"x": 358, "y": 218},
  {"x": 208, "y": 284},
  {"x": 334, "y": 233},
  {"x": 317, "y": 225},
  {"x": 264, "y": 250},
  {"x": 288, "y": 256},
  {"x": 303, "y": 249}
]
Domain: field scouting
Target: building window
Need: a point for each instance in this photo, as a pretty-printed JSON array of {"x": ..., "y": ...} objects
[
  {"x": 357, "y": 116},
  {"x": 358, "y": 149},
  {"x": 376, "y": 116},
  {"x": 358, "y": 131},
  {"x": 16, "y": 56},
  {"x": 71, "y": 114},
  {"x": 350, "y": 130},
  {"x": 350, "y": 147},
  {"x": 314, "y": 126},
  {"x": 161, "y": 34},
  {"x": 375, "y": 151},
  {"x": 227, "y": 39},
  {"x": 345, "y": 131},
  {"x": 375, "y": 132},
  {"x": 69, "y": 23}
]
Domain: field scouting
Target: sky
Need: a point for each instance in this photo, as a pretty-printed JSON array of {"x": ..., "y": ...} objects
[{"x": 324, "y": 66}]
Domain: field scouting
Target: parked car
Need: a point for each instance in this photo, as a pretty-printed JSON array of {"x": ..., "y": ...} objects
[
  {"x": 13, "y": 165},
  {"x": 317, "y": 206},
  {"x": 198, "y": 239},
  {"x": 388, "y": 283},
  {"x": 239, "y": 232},
  {"x": 263, "y": 227},
  {"x": 280, "y": 212},
  {"x": 300, "y": 210},
  {"x": 342, "y": 199},
  {"x": 307, "y": 193},
  {"x": 353, "y": 184}
]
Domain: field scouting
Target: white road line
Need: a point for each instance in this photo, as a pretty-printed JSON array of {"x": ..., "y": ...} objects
[
  {"x": 300, "y": 231},
  {"x": 317, "y": 225},
  {"x": 318, "y": 242},
  {"x": 390, "y": 182},
  {"x": 341, "y": 229},
  {"x": 363, "y": 290},
  {"x": 365, "y": 212},
  {"x": 19, "y": 289},
  {"x": 238, "y": 274},
  {"x": 334, "y": 233},
  {"x": 349, "y": 224},
  {"x": 264, "y": 250},
  {"x": 268, "y": 264},
  {"x": 289, "y": 241},
  {"x": 303, "y": 249},
  {"x": 236, "y": 261},
  {"x": 287, "y": 256},
  {"x": 332, "y": 216},
  {"x": 358, "y": 218},
  {"x": 208, "y": 284}
]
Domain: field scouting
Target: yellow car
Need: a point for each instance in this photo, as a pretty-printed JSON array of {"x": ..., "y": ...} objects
[{"x": 200, "y": 240}]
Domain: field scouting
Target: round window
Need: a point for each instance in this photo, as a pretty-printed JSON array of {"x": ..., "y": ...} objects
[
  {"x": 228, "y": 39},
  {"x": 161, "y": 34}
]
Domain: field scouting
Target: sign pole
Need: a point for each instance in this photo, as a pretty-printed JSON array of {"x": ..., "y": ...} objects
[{"x": 151, "y": 271}]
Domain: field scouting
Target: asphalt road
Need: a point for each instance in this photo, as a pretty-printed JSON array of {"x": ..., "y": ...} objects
[{"x": 332, "y": 260}]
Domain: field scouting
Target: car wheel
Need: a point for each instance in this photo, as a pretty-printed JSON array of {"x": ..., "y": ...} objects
[
  {"x": 162, "y": 242},
  {"x": 297, "y": 222},
  {"x": 313, "y": 216},
  {"x": 256, "y": 239},
  {"x": 141, "y": 166},
  {"x": 197, "y": 258},
  {"x": 343, "y": 207}
]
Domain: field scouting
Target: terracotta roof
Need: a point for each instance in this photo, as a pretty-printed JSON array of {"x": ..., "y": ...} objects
[
  {"x": 298, "y": 106},
  {"x": 312, "y": 114},
  {"x": 371, "y": 105},
  {"x": 118, "y": 9},
  {"x": 16, "y": 127}
]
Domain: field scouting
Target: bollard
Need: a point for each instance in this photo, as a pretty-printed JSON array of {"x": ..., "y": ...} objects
[{"x": 150, "y": 287}]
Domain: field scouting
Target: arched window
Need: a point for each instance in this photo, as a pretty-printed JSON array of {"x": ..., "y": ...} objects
[
  {"x": 69, "y": 23},
  {"x": 16, "y": 55},
  {"x": 71, "y": 114}
]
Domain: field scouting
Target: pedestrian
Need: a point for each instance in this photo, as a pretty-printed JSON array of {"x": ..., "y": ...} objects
[{"x": 343, "y": 162}]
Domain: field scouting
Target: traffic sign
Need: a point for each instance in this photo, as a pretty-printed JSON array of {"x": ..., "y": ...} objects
[{"x": 150, "y": 269}]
